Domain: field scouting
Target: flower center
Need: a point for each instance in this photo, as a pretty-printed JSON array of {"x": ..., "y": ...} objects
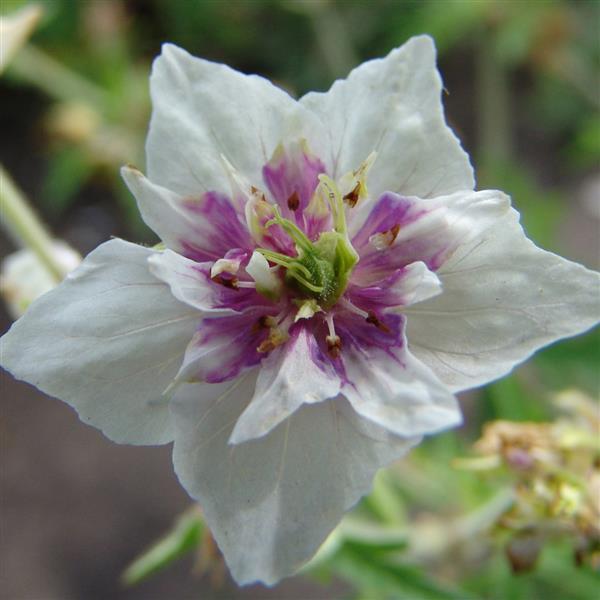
[{"x": 320, "y": 270}]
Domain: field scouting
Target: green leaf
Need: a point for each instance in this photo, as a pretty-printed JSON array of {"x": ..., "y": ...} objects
[
  {"x": 184, "y": 537},
  {"x": 383, "y": 578}
]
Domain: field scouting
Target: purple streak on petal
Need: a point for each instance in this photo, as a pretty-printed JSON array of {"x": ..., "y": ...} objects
[
  {"x": 220, "y": 228},
  {"x": 422, "y": 235},
  {"x": 358, "y": 335},
  {"x": 224, "y": 347},
  {"x": 292, "y": 174},
  {"x": 389, "y": 211},
  {"x": 381, "y": 294}
]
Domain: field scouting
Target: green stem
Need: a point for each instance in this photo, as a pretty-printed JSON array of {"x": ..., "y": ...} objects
[
  {"x": 493, "y": 105},
  {"x": 19, "y": 219},
  {"x": 36, "y": 67}
]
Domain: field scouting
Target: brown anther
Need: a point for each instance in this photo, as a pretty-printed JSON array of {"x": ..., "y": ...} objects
[
  {"x": 334, "y": 345},
  {"x": 373, "y": 320},
  {"x": 394, "y": 231},
  {"x": 264, "y": 322},
  {"x": 351, "y": 198},
  {"x": 293, "y": 201},
  {"x": 231, "y": 283},
  {"x": 255, "y": 191}
]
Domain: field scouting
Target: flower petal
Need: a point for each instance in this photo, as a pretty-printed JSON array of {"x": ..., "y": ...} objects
[
  {"x": 398, "y": 231},
  {"x": 191, "y": 283},
  {"x": 503, "y": 299},
  {"x": 292, "y": 176},
  {"x": 393, "y": 106},
  {"x": 294, "y": 374},
  {"x": 203, "y": 227},
  {"x": 224, "y": 347},
  {"x": 108, "y": 341},
  {"x": 409, "y": 285},
  {"x": 385, "y": 383},
  {"x": 282, "y": 494},
  {"x": 202, "y": 110}
]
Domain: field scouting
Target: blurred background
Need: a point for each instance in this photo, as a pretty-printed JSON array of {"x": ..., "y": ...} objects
[{"x": 451, "y": 521}]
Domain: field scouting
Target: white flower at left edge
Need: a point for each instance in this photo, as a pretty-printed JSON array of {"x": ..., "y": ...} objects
[
  {"x": 329, "y": 280},
  {"x": 23, "y": 278}
]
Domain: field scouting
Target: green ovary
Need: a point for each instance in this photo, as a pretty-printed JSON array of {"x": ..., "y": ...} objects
[{"x": 321, "y": 269}]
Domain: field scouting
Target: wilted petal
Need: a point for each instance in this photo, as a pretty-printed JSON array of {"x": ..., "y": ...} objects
[
  {"x": 503, "y": 299},
  {"x": 203, "y": 227},
  {"x": 393, "y": 106},
  {"x": 202, "y": 110},
  {"x": 271, "y": 502},
  {"x": 294, "y": 374},
  {"x": 108, "y": 341}
]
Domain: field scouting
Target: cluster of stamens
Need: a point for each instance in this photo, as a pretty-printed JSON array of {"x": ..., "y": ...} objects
[{"x": 316, "y": 277}]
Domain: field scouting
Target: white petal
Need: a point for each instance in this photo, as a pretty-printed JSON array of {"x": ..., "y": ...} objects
[
  {"x": 187, "y": 281},
  {"x": 201, "y": 227},
  {"x": 418, "y": 283},
  {"x": 502, "y": 299},
  {"x": 393, "y": 106},
  {"x": 203, "y": 110},
  {"x": 293, "y": 375},
  {"x": 398, "y": 392},
  {"x": 271, "y": 502},
  {"x": 108, "y": 341}
]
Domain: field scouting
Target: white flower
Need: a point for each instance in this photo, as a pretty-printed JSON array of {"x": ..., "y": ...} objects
[
  {"x": 285, "y": 383},
  {"x": 23, "y": 277}
]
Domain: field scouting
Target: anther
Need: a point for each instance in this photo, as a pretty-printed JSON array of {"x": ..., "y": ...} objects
[
  {"x": 264, "y": 322},
  {"x": 385, "y": 239},
  {"x": 276, "y": 337},
  {"x": 334, "y": 345},
  {"x": 293, "y": 201},
  {"x": 230, "y": 283},
  {"x": 373, "y": 320},
  {"x": 333, "y": 341},
  {"x": 351, "y": 198}
]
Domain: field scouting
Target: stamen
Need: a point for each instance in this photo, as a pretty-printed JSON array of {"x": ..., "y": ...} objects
[
  {"x": 278, "y": 334},
  {"x": 330, "y": 324},
  {"x": 373, "y": 320},
  {"x": 335, "y": 201},
  {"x": 384, "y": 239},
  {"x": 345, "y": 303},
  {"x": 333, "y": 341},
  {"x": 264, "y": 322},
  {"x": 232, "y": 283},
  {"x": 351, "y": 198},
  {"x": 294, "y": 201}
]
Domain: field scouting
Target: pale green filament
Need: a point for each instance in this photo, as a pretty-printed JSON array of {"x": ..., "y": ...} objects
[{"x": 336, "y": 202}]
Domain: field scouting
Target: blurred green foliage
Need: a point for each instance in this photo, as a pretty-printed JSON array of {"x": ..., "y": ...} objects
[{"x": 523, "y": 83}]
